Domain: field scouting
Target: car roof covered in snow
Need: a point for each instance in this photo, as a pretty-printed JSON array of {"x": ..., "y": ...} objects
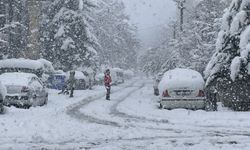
[
  {"x": 181, "y": 78},
  {"x": 21, "y": 63},
  {"x": 16, "y": 78}
]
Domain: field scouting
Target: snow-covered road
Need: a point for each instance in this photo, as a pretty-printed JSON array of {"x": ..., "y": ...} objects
[{"x": 130, "y": 121}]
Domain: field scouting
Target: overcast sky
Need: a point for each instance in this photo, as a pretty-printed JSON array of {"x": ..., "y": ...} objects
[{"x": 149, "y": 15}]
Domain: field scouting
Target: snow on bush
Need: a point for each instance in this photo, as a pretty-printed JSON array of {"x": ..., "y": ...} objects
[
  {"x": 60, "y": 32},
  {"x": 229, "y": 55},
  {"x": 235, "y": 67}
]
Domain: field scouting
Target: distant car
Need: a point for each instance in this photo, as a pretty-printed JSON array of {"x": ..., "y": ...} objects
[
  {"x": 99, "y": 79},
  {"x": 117, "y": 76},
  {"x": 57, "y": 80},
  {"x": 23, "y": 90},
  {"x": 2, "y": 96},
  {"x": 128, "y": 74},
  {"x": 182, "y": 88}
]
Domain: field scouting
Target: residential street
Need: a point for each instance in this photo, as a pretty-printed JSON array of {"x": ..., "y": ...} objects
[{"x": 131, "y": 120}]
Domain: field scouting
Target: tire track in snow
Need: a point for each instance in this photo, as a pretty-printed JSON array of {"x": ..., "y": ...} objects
[
  {"x": 74, "y": 110},
  {"x": 116, "y": 112}
]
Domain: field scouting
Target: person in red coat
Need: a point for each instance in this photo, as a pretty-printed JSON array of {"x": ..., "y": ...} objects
[{"x": 107, "y": 83}]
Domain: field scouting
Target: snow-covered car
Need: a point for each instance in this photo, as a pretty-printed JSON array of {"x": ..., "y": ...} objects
[
  {"x": 2, "y": 96},
  {"x": 99, "y": 79},
  {"x": 117, "y": 76},
  {"x": 24, "y": 90},
  {"x": 128, "y": 74},
  {"x": 22, "y": 65},
  {"x": 182, "y": 88},
  {"x": 57, "y": 80}
]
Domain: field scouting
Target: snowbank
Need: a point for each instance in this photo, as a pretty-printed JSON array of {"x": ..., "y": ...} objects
[{"x": 179, "y": 78}]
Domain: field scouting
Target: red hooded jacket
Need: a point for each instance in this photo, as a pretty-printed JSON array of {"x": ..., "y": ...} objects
[{"x": 107, "y": 79}]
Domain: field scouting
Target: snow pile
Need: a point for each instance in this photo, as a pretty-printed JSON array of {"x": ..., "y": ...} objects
[
  {"x": 21, "y": 63},
  {"x": 181, "y": 78}
]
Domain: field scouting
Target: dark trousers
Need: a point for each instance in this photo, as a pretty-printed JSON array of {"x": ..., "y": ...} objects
[
  {"x": 71, "y": 92},
  {"x": 108, "y": 92}
]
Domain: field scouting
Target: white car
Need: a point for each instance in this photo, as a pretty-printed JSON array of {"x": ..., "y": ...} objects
[
  {"x": 23, "y": 90},
  {"x": 182, "y": 88}
]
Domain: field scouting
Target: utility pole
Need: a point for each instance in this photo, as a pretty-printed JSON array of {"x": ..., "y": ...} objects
[{"x": 181, "y": 7}]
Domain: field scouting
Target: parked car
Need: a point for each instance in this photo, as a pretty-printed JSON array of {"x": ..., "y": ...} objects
[
  {"x": 22, "y": 65},
  {"x": 117, "y": 76},
  {"x": 2, "y": 96},
  {"x": 57, "y": 80},
  {"x": 24, "y": 90},
  {"x": 99, "y": 79},
  {"x": 182, "y": 88},
  {"x": 128, "y": 74}
]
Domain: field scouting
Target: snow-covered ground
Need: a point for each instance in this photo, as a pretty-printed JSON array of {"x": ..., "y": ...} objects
[{"x": 130, "y": 121}]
